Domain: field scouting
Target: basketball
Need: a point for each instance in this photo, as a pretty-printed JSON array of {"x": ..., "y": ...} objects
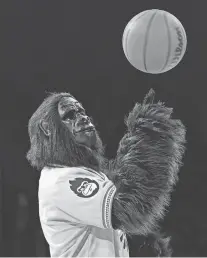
[{"x": 154, "y": 41}]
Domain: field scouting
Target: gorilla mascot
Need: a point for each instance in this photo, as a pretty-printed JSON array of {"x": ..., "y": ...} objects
[{"x": 90, "y": 206}]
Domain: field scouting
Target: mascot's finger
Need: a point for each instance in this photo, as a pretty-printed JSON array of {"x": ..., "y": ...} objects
[{"x": 149, "y": 98}]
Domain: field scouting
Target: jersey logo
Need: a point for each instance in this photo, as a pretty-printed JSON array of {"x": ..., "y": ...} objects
[{"x": 84, "y": 187}]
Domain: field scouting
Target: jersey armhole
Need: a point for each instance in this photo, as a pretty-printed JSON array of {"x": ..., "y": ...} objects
[{"x": 107, "y": 206}]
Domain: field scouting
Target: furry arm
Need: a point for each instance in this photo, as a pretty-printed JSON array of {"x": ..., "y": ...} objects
[{"x": 146, "y": 166}]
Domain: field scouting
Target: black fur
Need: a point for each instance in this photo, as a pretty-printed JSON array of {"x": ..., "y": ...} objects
[
  {"x": 153, "y": 245},
  {"x": 146, "y": 167}
]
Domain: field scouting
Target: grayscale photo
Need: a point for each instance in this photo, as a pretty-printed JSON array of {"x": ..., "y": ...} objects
[{"x": 103, "y": 128}]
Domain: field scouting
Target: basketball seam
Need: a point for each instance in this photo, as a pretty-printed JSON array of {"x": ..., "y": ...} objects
[
  {"x": 146, "y": 39},
  {"x": 169, "y": 42},
  {"x": 127, "y": 35}
]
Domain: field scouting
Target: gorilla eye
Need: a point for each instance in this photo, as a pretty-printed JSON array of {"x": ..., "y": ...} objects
[{"x": 69, "y": 115}]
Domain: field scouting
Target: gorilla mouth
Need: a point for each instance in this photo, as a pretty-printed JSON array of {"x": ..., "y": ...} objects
[{"x": 86, "y": 129}]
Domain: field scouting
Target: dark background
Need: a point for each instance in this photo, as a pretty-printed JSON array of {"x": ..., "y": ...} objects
[{"x": 75, "y": 46}]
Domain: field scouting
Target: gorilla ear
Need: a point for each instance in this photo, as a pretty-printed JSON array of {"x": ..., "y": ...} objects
[{"x": 43, "y": 125}]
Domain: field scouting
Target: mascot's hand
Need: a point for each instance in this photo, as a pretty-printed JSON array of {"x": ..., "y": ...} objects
[{"x": 149, "y": 116}]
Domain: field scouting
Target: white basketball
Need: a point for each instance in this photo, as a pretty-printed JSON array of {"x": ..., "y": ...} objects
[{"x": 154, "y": 41}]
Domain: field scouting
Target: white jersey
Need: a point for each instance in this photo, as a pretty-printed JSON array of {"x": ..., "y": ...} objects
[{"x": 75, "y": 205}]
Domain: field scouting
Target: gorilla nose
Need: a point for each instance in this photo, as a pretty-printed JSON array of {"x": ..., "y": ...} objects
[{"x": 84, "y": 120}]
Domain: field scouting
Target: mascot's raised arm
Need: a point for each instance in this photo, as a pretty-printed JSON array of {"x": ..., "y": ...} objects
[
  {"x": 87, "y": 204},
  {"x": 146, "y": 166}
]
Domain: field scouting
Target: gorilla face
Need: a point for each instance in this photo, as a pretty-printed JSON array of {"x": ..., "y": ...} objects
[
  {"x": 61, "y": 133},
  {"x": 74, "y": 117}
]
